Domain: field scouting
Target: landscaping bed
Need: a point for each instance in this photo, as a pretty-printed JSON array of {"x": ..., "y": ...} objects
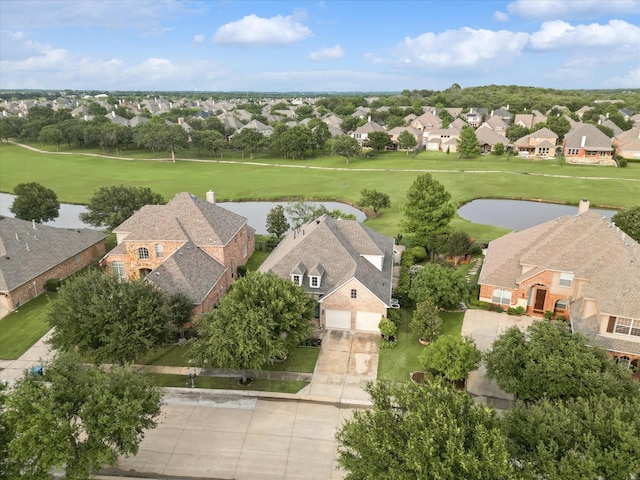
[{"x": 227, "y": 383}]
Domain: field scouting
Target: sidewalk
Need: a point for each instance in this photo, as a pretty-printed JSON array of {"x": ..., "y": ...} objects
[{"x": 13, "y": 369}]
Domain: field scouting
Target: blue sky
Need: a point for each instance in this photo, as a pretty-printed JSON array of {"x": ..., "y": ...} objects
[{"x": 279, "y": 46}]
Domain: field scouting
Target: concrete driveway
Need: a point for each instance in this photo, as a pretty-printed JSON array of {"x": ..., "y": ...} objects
[{"x": 484, "y": 327}]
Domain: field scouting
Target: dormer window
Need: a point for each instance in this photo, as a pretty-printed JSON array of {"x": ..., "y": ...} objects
[
  {"x": 314, "y": 282},
  {"x": 297, "y": 279}
]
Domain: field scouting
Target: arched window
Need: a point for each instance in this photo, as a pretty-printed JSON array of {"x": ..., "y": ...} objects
[
  {"x": 143, "y": 253},
  {"x": 501, "y": 296}
]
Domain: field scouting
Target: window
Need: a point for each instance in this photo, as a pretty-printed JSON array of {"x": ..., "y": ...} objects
[
  {"x": 627, "y": 326},
  {"x": 297, "y": 279},
  {"x": 560, "y": 306},
  {"x": 543, "y": 151},
  {"x": 76, "y": 258},
  {"x": 573, "y": 151},
  {"x": 566, "y": 279},
  {"x": 314, "y": 282},
  {"x": 244, "y": 250},
  {"x": 501, "y": 296},
  {"x": 143, "y": 253},
  {"x": 591, "y": 153},
  {"x": 117, "y": 268},
  {"x": 159, "y": 250},
  {"x": 354, "y": 293}
]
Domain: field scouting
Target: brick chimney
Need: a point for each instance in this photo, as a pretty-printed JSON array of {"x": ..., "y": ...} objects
[
  {"x": 211, "y": 196},
  {"x": 583, "y": 206}
]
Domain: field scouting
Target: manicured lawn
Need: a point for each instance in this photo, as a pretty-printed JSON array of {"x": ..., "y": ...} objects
[
  {"x": 256, "y": 260},
  {"x": 227, "y": 383},
  {"x": 22, "y": 328},
  {"x": 395, "y": 364},
  {"x": 301, "y": 359},
  {"x": 234, "y": 179}
]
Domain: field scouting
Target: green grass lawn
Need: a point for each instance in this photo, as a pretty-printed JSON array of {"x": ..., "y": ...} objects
[
  {"x": 395, "y": 364},
  {"x": 227, "y": 383},
  {"x": 301, "y": 359},
  {"x": 22, "y": 328},
  {"x": 393, "y": 173},
  {"x": 256, "y": 260}
]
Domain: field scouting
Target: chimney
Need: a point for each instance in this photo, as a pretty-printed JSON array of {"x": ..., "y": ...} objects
[
  {"x": 369, "y": 118},
  {"x": 583, "y": 142},
  {"x": 583, "y": 206},
  {"x": 34, "y": 224},
  {"x": 211, "y": 196}
]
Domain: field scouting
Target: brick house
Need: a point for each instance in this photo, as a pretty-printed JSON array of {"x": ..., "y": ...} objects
[
  {"x": 579, "y": 266},
  {"x": 188, "y": 245},
  {"x": 541, "y": 143},
  {"x": 627, "y": 144},
  {"x": 588, "y": 145},
  {"x": 31, "y": 254},
  {"x": 344, "y": 265}
]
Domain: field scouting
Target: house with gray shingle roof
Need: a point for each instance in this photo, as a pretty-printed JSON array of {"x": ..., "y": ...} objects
[
  {"x": 361, "y": 134},
  {"x": 588, "y": 145},
  {"x": 488, "y": 138},
  {"x": 627, "y": 144},
  {"x": 31, "y": 254},
  {"x": 541, "y": 143},
  {"x": 189, "y": 245},
  {"x": 579, "y": 266},
  {"x": 347, "y": 267}
]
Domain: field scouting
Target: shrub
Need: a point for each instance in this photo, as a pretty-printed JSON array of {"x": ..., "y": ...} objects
[
  {"x": 561, "y": 318},
  {"x": 53, "y": 284},
  {"x": 242, "y": 270},
  {"x": 394, "y": 316},
  {"x": 622, "y": 162},
  {"x": 387, "y": 328},
  {"x": 516, "y": 310},
  {"x": 453, "y": 357},
  {"x": 383, "y": 343},
  {"x": 425, "y": 322},
  {"x": 402, "y": 290},
  {"x": 548, "y": 315},
  {"x": 419, "y": 254}
]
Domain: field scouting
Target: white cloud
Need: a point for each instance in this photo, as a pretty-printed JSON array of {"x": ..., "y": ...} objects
[
  {"x": 500, "y": 16},
  {"x": 327, "y": 53},
  {"x": 254, "y": 30},
  {"x": 557, "y": 34},
  {"x": 630, "y": 80},
  {"x": 572, "y": 8},
  {"x": 465, "y": 47},
  {"x": 373, "y": 58},
  {"x": 199, "y": 38}
]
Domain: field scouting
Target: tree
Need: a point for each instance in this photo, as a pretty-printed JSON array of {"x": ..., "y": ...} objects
[
  {"x": 629, "y": 221},
  {"x": 301, "y": 212},
  {"x": 345, "y": 146},
  {"x": 551, "y": 362},
  {"x": 378, "y": 141},
  {"x": 258, "y": 321},
  {"x": 109, "y": 321},
  {"x": 468, "y": 143},
  {"x": 559, "y": 125},
  {"x": 349, "y": 124},
  {"x": 294, "y": 142},
  {"x": 249, "y": 141},
  {"x": 425, "y": 321},
  {"x": 498, "y": 149},
  {"x": 458, "y": 245},
  {"x": 514, "y": 132},
  {"x": 112, "y": 205},
  {"x": 209, "y": 141},
  {"x": 423, "y": 431},
  {"x": 445, "y": 117},
  {"x": 77, "y": 417},
  {"x": 35, "y": 202},
  {"x": 374, "y": 199},
  {"x": 51, "y": 134},
  {"x": 407, "y": 141},
  {"x": 451, "y": 356},
  {"x": 593, "y": 437},
  {"x": 277, "y": 224},
  {"x": 444, "y": 286},
  {"x": 427, "y": 211},
  {"x": 159, "y": 137}
]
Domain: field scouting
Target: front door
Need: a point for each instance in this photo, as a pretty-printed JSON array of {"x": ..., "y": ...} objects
[{"x": 538, "y": 306}]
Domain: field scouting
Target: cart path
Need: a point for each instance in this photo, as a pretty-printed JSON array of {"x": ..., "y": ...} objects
[{"x": 310, "y": 167}]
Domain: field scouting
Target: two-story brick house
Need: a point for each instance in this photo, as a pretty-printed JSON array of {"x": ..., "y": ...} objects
[
  {"x": 579, "y": 266},
  {"x": 188, "y": 245},
  {"x": 347, "y": 267}
]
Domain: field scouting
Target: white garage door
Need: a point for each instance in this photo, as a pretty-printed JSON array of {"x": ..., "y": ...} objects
[
  {"x": 368, "y": 322},
  {"x": 338, "y": 319}
]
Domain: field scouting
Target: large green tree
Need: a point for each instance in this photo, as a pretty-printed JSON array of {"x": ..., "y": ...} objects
[
  {"x": 451, "y": 356},
  {"x": 423, "y": 431},
  {"x": 35, "y": 202},
  {"x": 548, "y": 361},
  {"x": 277, "y": 224},
  {"x": 444, "y": 286},
  {"x": 378, "y": 141},
  {"x": 257, "y": 322},
  {"x": 51, "y": 134},
  {"x": 111, "y": 205},
  {"x": 107, "y": 320},
  {"x": 160, "y": 137},
  {"x": 407, "y": 141},
  {"x": 209, "y": 142},
  {"x": 468, "y": 143},
  {"x": 585, "y": 437},
  {"x": 249, "y": 141},
  {"x": 629, "y": 221},
  {"x": 345, "y": 146},
  {"x": 374, "y": 199},
  {"x": 425, "y": 321},
  {"x": 77, "y": 417},
  {"x": 427, "y": 211}
]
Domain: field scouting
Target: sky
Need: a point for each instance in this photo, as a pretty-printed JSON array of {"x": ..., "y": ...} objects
[{"x": 318, "y": 46}]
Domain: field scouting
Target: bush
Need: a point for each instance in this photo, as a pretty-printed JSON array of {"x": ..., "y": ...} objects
[
  {"x": 53, "y": 284},
  {"x": 387, "y": 328},
  {"x": 548, "y": 315},
  {"x": 622, "y": 162},
  {"x": 425, "y": 322},
  {"x": 242, "y": 270},
  {"x": 419, "y": 254},
  {"x": 394, "y": 316},
  {"x": 402, "y": 290},
  {"x": 561, "y": 318},
  {"x": 516, "y": 310},
  {"x": 383, "y": 343}
]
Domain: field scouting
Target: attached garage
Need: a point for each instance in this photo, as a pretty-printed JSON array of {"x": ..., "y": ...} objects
[
  {"x": 368, "y": 321},
  {"x": 337, "y": 319}
]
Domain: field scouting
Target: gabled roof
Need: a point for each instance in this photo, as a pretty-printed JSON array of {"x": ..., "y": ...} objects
[
  {"x": 593, "y": 138},
  {"x": 495, "y": 122},
  {"x": 184, "y": 217},
  {"x": 630, "y": 140},
  {"x": 487, "y": 136},
  {"x": 370, "y": 127},
  {"x": 585, "y": 244},
  {"x": 26, "y": 252},
  {"x": 188, "y": 270},
  {"x": 339, "y": 247},
  {"x": 616, "y": 129},
  {"x": 543, "y": 133}
]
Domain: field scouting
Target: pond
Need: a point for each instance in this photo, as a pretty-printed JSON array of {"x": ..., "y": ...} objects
[
  {"x": 255, "y": 212},
  {"x": 518, "y": 214}
]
